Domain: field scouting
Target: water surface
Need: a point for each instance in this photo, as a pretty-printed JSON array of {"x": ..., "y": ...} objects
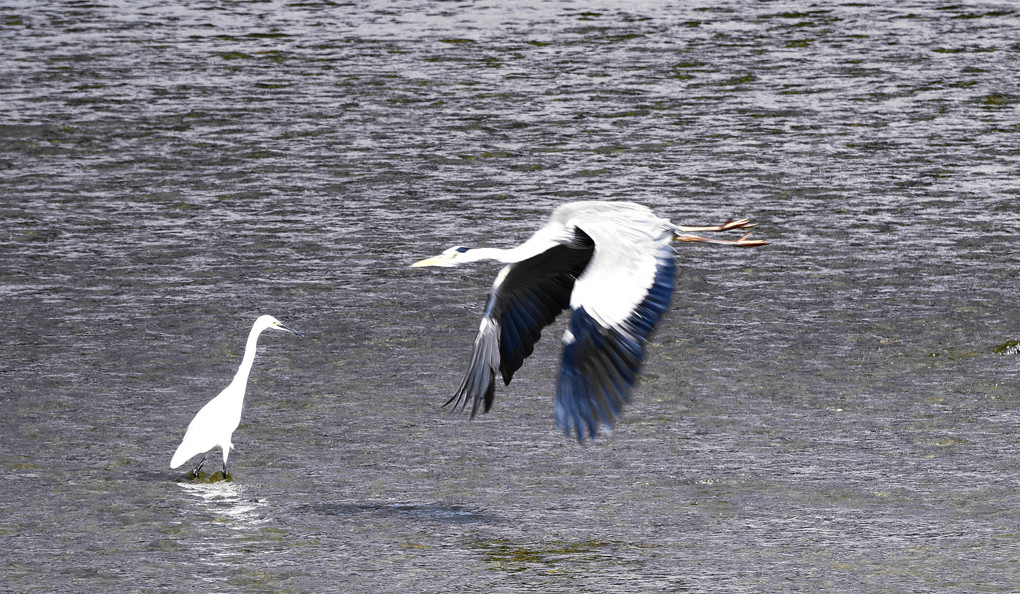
[{"x": 824, "y": 413}]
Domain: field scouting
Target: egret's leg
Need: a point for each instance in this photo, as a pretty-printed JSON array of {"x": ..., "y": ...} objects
[
  {"x": 194, "y": 473},
  {"x": 226, "y": 452}
]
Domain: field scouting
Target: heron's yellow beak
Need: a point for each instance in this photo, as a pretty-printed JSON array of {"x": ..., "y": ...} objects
[{"x": 433, "y": 261}]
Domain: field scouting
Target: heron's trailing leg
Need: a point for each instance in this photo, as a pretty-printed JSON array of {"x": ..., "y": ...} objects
[
  {"x": 744, "y": 241},
  {"x": 741, "y": 224},
  {"x": 194, "y": 473},
  {"x": 682, "y": 233}
]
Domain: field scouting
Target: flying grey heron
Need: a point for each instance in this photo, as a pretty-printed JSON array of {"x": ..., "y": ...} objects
[
  {"x": 612, "y": 264},
  {"x": 216, "y": 421}
]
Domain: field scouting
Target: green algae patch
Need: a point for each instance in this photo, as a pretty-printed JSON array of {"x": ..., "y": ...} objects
[
  {"x": 502, "y": 551},
  {"x": 558, "y": 555},
  {"x": 235, "y": 56},
  {"x": 414, "y": 546},
  {"x": 1010, "y": 347},
  {"x": 996, "y": 100},
  {"x": 204, "y": 477},
  {"x": 951, "y": 441},
  {"x": 738, "y": 80}
]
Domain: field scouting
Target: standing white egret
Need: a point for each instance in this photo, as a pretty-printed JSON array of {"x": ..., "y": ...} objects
[
  {"x": 612, "y": 264},
  {"x": 215, "y": 422}
]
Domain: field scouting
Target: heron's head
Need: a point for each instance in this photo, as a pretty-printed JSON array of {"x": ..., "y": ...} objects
[
  {"x": 271, "y": 322},
  {"x": 447, "y": 259}
]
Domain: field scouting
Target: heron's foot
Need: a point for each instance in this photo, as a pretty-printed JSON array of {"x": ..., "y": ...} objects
[
  {"x": 744, "y": 241},
  {"x": 741, "y": 224}
]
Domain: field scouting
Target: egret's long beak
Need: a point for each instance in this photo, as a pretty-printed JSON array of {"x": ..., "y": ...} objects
[
  {"x": 291, "y": 330},
  {"x": 433, "y": 261}
]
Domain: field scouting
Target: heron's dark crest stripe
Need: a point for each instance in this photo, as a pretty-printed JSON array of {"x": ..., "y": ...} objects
[{"x": 601, "y": 365}]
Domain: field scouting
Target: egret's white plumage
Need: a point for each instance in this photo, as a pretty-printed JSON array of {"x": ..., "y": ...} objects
[
  {"x": 215, "y": 423},
  {"x": 612, "y": 264}
]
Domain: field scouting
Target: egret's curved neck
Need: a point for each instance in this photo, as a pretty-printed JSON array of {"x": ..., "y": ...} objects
[{"x": 241, "y": 377}]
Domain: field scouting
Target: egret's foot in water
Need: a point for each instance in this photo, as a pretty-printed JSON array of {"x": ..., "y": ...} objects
[{"x": 195, "y": 473}]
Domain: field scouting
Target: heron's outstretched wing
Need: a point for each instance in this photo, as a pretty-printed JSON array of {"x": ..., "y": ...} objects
[
  {"x": 617, "y": 302},
  {"x": 526, "y": 297}
]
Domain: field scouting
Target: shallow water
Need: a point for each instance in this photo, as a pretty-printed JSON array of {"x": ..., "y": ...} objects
[{"x": 823, "y": 413}]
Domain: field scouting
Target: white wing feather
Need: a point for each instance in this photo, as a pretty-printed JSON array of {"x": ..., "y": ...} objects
[{"x": 628, "y": 239}]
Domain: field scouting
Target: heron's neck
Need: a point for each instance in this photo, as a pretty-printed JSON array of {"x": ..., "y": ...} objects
[
  {"x": 509, "y": 256},
  {"x": 241, "y": 377},
  {"x": 476, "y": 254},
  {"x": 542, "y": 240}
]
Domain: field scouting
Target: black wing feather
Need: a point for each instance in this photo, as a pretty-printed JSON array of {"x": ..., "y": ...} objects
[
  {"x": 600, "y": 365},
  {"x": 530, "y": 297}
]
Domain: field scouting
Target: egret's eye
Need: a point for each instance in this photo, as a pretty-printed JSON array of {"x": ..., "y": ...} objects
[{"x": 460, "y": 249}]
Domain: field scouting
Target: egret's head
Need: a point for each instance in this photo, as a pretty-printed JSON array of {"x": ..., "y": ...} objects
[
  {"x": 271, "y": 322},
  {"x": 446, "y": 259}
]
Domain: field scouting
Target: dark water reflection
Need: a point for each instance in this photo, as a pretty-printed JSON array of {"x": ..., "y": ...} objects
[{"x": 826, "y": 413}]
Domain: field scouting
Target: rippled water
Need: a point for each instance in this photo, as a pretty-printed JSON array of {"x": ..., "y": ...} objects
[{"x": 823, "y": 413}]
